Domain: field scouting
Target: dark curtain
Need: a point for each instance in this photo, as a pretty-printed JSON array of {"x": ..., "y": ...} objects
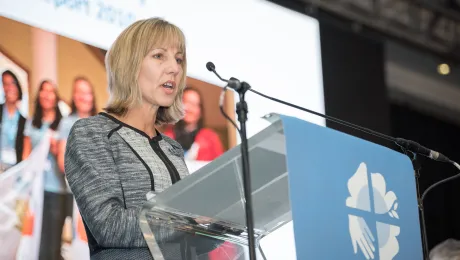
[{"x": 354, "y": 80}]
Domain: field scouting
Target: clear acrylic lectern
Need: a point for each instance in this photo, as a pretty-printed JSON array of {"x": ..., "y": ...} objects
[{"x": 205, "y": 211}]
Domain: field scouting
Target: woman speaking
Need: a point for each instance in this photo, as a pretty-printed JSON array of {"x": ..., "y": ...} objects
[{"x": 115, "y": 158}]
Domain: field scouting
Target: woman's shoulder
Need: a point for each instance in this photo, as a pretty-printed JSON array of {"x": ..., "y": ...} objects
[
  {"x": 93, "y": 125},
  {"x": 67, "y": 122},
  {"x": 72, "y": 118}
]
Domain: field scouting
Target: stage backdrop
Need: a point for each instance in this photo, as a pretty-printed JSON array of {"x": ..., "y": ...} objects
[{"x": 274, "y": 49}]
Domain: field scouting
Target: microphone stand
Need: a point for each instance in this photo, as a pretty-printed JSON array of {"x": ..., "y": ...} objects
[
  {"x": 417, "y": 168},
  {"x": 242, "y": 112}
]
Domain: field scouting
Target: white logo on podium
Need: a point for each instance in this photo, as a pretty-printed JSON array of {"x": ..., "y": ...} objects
[{"x": 383, "y": 203}]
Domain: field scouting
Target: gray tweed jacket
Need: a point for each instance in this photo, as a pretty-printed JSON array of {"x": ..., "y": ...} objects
[{"x": 110, "y": 168}]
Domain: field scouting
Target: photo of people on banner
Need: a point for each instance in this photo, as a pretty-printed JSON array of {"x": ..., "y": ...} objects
[{"x": 39, "y": 218}]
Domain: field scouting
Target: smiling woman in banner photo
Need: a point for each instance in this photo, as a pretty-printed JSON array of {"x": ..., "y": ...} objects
[
  {"x": 57, "y": 200},
  {"x": 83, "y": 105},
  {"x": 115, "y": 158},
  {"x": 12, "y": 122},
  {"x": 198, "y": 142}
]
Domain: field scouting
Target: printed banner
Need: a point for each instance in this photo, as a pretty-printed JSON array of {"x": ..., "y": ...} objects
[
  {"x": 21, "y": 210},
  {"x": 21, "y": 203},
  {"x": 79, "y": 247}
]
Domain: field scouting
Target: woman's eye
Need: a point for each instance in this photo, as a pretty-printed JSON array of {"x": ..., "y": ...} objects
[
  {"x": 157, "y": 56},
  {"x": 179, "y": 60}
]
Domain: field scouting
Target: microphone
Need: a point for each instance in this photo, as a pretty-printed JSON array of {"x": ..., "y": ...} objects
[
  {"x": 232, "y": 83},
  {"x": 211, "y": 67},
  {"x": 422, "y": 150},
  {"x": 406, "y": 144}
]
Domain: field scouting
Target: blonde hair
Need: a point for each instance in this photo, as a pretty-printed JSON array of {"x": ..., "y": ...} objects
[{"x": 123, "y": 62}]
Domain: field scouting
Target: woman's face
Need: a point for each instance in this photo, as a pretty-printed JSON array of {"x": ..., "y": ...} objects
[
  {"x": 160, "y": 76},
  {"x": 47, "y": 97},
  {"x": 10, "y": 88},
  {"x": 192, "y": 107},
  {"x": 83, "y": 97}
]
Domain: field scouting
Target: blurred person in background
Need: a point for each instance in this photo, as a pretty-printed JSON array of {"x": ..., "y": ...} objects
[
  {"x": 199, "y": 143},
  {"x": 12, "y": 122},
  {"x": 57, "y": 199},
  {"x": 83, "y": 106}
]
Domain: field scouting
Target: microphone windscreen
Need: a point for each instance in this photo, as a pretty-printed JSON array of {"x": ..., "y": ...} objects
[{"x": 210, "y": 66}]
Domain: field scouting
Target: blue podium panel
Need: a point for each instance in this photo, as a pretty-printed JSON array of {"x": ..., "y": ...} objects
[{"x": 335, "y": 212}]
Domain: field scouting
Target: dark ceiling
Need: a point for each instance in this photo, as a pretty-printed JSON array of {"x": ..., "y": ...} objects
[{"x": 433, "y": 25}]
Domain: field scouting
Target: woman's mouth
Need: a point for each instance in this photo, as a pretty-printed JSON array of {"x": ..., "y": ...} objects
[
  {"x": 169, "y": 84},
  {"x": 169, "y": 87}
]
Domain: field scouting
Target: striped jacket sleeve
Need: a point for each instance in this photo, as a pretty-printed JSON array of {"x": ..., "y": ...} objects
[{"x": 93, "y": 178}]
